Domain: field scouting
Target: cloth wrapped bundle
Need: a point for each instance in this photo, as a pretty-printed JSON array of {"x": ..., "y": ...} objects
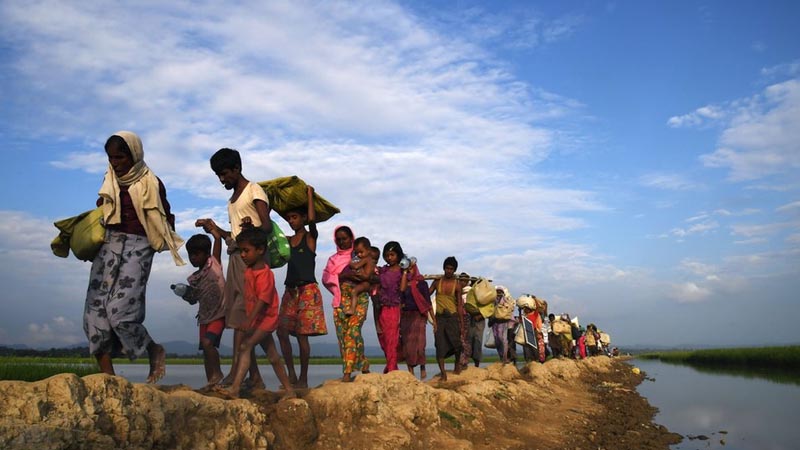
[
  {"x": 287, "y": 193},
  {"x": 83, "y": 234}
]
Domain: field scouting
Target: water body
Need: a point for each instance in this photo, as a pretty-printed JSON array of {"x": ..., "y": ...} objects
[
  {"x": 735, "y": 412},
  {"x": 195, "y": 376}
]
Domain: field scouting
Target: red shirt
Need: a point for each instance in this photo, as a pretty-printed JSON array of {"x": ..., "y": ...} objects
[{"x": 259, "y": 286}]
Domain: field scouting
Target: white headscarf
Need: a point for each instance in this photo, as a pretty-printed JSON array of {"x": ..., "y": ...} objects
[{"x": 145, "y": 195}]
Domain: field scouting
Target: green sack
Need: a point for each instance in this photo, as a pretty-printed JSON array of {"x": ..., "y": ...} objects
[
  {"x": 472, "y": 306},
  {"x": 278, "y": 247},
  {"x": 287, "y": 193},
  {"x": 84, "y": 234}
]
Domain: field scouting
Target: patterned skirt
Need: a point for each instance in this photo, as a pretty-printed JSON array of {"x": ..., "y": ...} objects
[
  {"x": 115, "y": 300},
  {"x": 348, "y": 330},
  {"x": 412, "y": 337}
]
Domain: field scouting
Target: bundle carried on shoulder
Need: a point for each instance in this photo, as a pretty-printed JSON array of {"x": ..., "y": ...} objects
[
  {"x": 278, "y": 247},
  {"x": 472, "y": 306},
  {"x": 83, "y": 234},
  {"x": 541, "y": 306},
  {"x": 484, "y": 292},
  {"x": 562, "y": 327},
  {"x": 504, "y": 310},
  {"x": 288, "y": 193}
]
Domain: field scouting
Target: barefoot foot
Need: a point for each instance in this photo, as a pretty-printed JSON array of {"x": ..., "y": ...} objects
[{"x": 158, "y": 364}]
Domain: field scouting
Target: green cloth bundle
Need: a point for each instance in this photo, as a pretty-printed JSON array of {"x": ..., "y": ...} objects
[
  {"x": 288, "y": 193},
  {"x": 83, "y": 234}
]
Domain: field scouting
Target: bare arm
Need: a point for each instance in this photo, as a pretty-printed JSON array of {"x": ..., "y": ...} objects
[
  {"x": 434, "y": 286},
  {"x": 263, "y": 214},
  {"x": 209, "y": 226},
  {"x": 313, "y": 234},
  {"x": 216, "y": 251},
  {"x": 404, "y": 281}
]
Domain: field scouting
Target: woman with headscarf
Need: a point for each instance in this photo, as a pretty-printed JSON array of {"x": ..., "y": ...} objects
[
  {"x": 416, "y": 306},
  {"x": 348, "y": 326},
  {"x": 138, "y": 223}
]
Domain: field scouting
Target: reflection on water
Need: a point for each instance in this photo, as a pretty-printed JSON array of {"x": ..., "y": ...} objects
[
  {"x": 734, "y": 412},
  {"x": 195, "y": 376}
]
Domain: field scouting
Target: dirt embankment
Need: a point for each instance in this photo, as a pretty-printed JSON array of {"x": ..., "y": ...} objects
[{"x": 563, "y": 404}]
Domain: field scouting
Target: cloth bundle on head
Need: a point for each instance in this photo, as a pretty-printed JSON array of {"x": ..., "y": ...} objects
[
  {"x": 526, "y": 301},
  {"x": 336, "y": 263},
  {"x": 144, "y": 191}
]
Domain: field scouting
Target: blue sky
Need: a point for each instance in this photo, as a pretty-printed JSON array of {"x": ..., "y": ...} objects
[{"x": 635, "y": 163}]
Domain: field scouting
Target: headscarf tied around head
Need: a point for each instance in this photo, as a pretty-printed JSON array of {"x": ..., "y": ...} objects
[
  {"x": 422, "y": 297},
  {"x": 336, "y": 263},
  {"x": 144, "y": 191}
]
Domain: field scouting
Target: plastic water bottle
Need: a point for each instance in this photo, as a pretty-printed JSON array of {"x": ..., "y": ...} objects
[
  {"x": 180, "y": 289},
  {"x": 407, "y": 262}
]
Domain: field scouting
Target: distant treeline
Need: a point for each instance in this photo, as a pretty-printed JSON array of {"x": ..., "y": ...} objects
[
  {"x": 72, "y": 352},
  {"x": 785, "y": 357}
]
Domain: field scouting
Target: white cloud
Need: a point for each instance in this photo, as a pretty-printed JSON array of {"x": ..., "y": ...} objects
[
  {"x": 758, "y": 230},
  {"x": 789, "y": 207},
  {"x": 700, "y": 116},
  {"x": 751, "y": 241},
  {"x": 673, "y": 182},
  {"x": 762, "y": 137},
  {"x": 701, "y": 228},
  {"x": 689, "y": 293},
  {"x": 790, "y": 69},
  {"x": 58, "y": 332}
]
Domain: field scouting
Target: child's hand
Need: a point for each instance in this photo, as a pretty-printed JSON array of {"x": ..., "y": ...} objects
[{"x": 208, "y": 225}]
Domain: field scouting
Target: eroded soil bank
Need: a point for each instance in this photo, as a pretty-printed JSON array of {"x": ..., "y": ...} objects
[{"x": 562, "y": 404}]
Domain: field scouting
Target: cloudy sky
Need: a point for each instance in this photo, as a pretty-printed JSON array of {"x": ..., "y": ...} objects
[{"x": 636, "y": 163}]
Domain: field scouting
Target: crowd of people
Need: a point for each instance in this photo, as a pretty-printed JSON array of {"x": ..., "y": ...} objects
[{"x": 139, "y": 223}]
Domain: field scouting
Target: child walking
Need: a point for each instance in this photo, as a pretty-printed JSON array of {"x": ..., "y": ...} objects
[
  {"x": 205, "y": 287},
  {"x": 393, "y": 283},
  {"x": 261, "y": 305},
  {"x": 301, "y": 313}
]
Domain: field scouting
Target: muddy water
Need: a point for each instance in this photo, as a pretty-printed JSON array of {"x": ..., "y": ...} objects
[{"x": 732, "y": 412}]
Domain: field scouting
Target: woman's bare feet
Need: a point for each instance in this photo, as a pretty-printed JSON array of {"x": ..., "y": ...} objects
[
  {"x": 423, "y": 373},
  {"x": 158, "y": 363},
  {"x": 347, "y": 378}
]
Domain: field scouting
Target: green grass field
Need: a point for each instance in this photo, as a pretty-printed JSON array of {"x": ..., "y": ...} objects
[
  {"x": 35, "y": 369},
  {"x": 785, "y": 358}
]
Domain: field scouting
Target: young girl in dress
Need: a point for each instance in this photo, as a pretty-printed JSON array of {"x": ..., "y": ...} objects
[{"x": 393, "y": 282}]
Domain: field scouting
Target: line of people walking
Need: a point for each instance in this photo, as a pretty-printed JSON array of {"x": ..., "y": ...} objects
[{"x": 139, "y": 222}]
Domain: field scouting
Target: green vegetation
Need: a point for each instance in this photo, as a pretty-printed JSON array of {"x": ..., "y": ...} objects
[
  {"x": 787, "y": 357},
  {"x": 444, "y": 415},
  {"x": 37, "y": 370},
  {"x": 778, "y": 364}
]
